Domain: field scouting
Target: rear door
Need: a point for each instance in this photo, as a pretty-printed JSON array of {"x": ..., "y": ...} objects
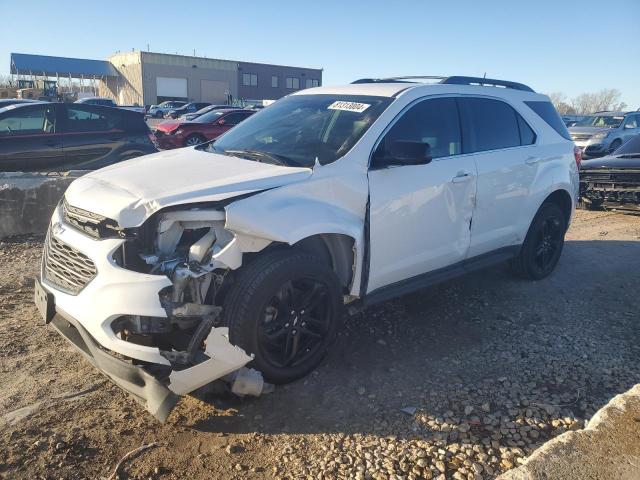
[
  {"x": 502, "y": 144},
  {"x": 92, "y": 135},
  {"x": 29, "y": 138}
]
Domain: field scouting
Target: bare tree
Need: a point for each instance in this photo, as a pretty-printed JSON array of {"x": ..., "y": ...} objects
[
  {"x": 5, "y": 80},
  {"x": 559, "y": 101},
  {"x": 605, "y": 99}
]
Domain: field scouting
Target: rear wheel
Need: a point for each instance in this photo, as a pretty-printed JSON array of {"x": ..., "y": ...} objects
[
  {"x": 543, "y": 244},
  {"x": 193, "y": 140},
  {"x": 284, "y": 308}
]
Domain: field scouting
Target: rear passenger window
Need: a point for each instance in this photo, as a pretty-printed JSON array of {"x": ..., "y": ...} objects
[
  {"x": 83, "y": 119},
  {"x": 433, "y": 122},
  {"x": 549, "y": 114},
  {"x": 527, "y": 136},
  {"x": 488, "y": 125}
]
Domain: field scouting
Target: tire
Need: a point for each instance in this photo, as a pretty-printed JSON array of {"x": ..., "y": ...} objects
[
  {"x": 543, "y": 244},
  {"x": 265, "y": 312},
  {"x": 615, "y": 145},
  {"x": 159, "y": 114},
  {"x": 193, "y": 140}
]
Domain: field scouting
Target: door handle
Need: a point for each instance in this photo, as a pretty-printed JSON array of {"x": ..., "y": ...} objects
[
  {"x": 532, "y": 160},
  {"x": 462, "y": 177}
]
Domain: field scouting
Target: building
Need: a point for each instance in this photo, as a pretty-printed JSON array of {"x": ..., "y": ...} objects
[{"x": 146, "y": 78}]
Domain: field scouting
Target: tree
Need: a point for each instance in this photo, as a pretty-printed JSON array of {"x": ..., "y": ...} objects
[
  {"x": 605, "y": 99},
  {"x": 5, "y": 80},
  {"x": 559, "y": 101}
]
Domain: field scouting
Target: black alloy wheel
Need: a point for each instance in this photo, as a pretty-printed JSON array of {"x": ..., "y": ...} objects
[{"x": 284, "y": 308}]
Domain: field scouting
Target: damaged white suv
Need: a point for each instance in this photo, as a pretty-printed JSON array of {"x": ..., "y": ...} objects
[{"x": 175, "y": 269}]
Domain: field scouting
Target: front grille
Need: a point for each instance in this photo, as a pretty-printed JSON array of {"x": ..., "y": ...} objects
[
  {"x": 579, "y": 137},
  {"x": 92, "y": 224},
  {"x": 65, "y": 267}
]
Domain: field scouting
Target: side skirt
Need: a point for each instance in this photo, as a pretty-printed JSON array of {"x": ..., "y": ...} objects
[{"x": 434, "y": 277}]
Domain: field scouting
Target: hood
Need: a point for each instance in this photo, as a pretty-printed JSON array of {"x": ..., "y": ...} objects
[
  {"x": 588, "y": 130},
  {"x": 168, "y": 126},
  {"x": 610, "y": 161},
  {"x": 131, "y": 191}
]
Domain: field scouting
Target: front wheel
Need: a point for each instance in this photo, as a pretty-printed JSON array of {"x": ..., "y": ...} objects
[
  {"x": 543, "y": 244},
  {"x": 284, "y": 308},
  {"x": 193, "y": 140},
  {"x": 615, "y": 145}
]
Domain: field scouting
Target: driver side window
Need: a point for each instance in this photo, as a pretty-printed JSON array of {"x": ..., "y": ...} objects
[
  {"x": 433, "y": 123},
  {"x": 29, "y": 121}
]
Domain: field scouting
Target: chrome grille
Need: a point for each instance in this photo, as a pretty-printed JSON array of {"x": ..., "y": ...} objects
[
  {"x": 92, "y": 224},
  {"x": 580, "y": 136},
  {"x": 65, "y": 267}
]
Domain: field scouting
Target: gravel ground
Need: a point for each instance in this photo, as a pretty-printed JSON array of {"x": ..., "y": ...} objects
[{"x": 463, "y": 381}]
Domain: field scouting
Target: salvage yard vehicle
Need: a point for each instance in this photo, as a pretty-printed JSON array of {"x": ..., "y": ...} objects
[
  {"x": 172, "y": 270},
  {"x": 604, "y": 132},
  {"x": 191, "y": 107},
  {"x": 44, "y": 137},
  {"x": 158, "y": 111},
  {"x": 209, "y": 126},
  {"x": 613, "y": 181}
]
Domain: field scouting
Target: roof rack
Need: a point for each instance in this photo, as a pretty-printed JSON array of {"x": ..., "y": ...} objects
[{"x": 455, "y": 80}]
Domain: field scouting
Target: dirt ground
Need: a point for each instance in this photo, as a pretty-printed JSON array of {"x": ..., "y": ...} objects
[{"x": 463, "y": 380}]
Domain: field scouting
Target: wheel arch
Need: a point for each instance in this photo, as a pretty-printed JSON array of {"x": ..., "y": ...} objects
[
  {"x": 562, "y": 198},
  {"x": 336, "y": 250}
]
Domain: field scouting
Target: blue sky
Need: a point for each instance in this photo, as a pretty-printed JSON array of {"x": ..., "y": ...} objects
[{"x": 554, "y": 46}]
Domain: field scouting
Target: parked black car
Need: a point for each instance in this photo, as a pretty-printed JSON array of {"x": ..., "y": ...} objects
[
  {"x": 57, "y": 136},
  {"x": 613, "y": 181},
  {"x": 191, "y": 107},
  {"x": 5, "y": 102}
]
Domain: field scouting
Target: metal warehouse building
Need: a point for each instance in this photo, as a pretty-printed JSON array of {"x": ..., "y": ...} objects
[{"x": 145, "y": 78}]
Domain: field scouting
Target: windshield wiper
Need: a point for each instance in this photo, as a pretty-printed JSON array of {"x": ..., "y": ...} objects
[{"x": 258, "y": 156}]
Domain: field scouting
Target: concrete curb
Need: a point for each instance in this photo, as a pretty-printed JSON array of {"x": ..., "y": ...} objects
[
  {"x": 608, "y": 448},
  {"x": 28, "y": 199}
]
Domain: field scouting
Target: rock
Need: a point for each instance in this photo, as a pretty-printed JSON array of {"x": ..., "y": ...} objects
[
  {"x": 234, "y": 448},
  {"x": 486, "y": 407},
  {"x": 409, "y": 410},
  {"x": 361, "y": 390},
  {"x": 440, "y": 466},
  {"x": 468, "y": 409}
]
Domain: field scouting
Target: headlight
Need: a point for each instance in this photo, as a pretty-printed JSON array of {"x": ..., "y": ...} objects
[{"x": 600, "y": 135}]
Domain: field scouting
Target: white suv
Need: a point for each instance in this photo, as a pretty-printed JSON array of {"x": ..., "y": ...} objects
[{"x": 175, "y": 269}]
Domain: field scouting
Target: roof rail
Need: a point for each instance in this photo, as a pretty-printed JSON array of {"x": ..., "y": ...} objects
[
  {"x": 455, "y": 80},
  {"x": 492, "y": 82},
  {"x": 407, "y": 79}
]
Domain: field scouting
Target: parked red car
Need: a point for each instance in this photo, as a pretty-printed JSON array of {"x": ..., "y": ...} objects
[{"x": 209, "y": 126}]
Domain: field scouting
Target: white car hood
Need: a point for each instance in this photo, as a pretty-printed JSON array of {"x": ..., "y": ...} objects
[{"x": 131, "y": 191}]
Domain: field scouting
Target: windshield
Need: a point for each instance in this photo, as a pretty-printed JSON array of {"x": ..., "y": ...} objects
[
  {"x": 630, "y": 148},
  {"x": 299, "y": 129},
  {"x": 605, "y": 121},
  {"x": 208, "y": 117}
]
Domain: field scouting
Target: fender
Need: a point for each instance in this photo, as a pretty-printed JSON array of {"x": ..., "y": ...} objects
[{"x": 322, "y": 205}]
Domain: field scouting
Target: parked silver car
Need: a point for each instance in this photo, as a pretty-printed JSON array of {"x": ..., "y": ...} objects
[{"x": 604, "y": 132}]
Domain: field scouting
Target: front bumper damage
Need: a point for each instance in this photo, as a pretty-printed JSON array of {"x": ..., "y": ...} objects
[
  {"x": 121, "y": 319},
  {"x": 611, "y": 188}
]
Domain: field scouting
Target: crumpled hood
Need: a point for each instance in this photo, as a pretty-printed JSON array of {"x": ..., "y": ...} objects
[
  {"x": 588, "y": 130},
  {"x": 131, "y": 191}
]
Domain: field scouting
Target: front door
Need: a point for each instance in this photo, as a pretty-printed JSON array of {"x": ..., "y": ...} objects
[
  {"x": 420, "y": 215},
  {"x": 92, "y": 135},
  {"x": 29, "y": 139}
]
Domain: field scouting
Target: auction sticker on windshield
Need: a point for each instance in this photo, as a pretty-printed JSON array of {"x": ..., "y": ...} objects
[{"x": 349, "y": 106}]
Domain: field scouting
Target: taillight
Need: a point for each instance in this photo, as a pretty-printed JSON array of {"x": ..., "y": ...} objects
[{"x": 577, "y": 153}]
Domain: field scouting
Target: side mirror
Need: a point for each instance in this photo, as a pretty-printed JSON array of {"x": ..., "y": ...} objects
[{"x": 408, "y": 152}]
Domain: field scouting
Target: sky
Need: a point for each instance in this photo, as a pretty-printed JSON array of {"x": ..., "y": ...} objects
[{"x": 567, "y": 46}]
